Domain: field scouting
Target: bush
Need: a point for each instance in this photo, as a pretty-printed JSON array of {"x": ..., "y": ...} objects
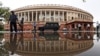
[{"x": 1, "y": 28}]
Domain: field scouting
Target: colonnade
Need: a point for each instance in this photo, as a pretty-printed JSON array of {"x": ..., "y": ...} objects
[
  {"x": 83, "y": 26},
  {"x": 51, "y": 16}
]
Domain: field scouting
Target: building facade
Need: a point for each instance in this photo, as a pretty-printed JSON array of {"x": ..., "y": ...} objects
[{"x": 66, "y": 16}]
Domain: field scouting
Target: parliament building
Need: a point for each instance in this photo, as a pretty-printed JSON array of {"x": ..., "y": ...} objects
[{"x": 54, "y": 16}]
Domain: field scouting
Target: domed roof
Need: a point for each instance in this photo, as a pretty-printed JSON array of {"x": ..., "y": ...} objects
[{"x": 39, "y": 6}]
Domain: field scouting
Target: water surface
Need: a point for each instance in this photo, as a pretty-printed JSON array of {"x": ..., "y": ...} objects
[{"x": 50, "y": 44}]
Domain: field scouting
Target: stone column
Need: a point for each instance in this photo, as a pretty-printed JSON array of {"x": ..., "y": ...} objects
[
  {"x": 32, "y": 16},
  {"x": 59, "y": 16},
  {"x": 28, "y": 16},
  {"x": 75, "y": 26},
  {"x": 25, "y": 16},
  {"x": 36, "y": 16},
  {"x": 41, "y": 17},
  {"x": 62, "y": 15},
  {"x": 50, "y": 16},
  {"x": 54, "y": 16},
  {"x": 67, "y": 16},
  {"x": 83, "y": 27},
  {"x": 70, "y": 28},
  {"x": 91, "y": 27},
  {"x": 45, "y": 16}
]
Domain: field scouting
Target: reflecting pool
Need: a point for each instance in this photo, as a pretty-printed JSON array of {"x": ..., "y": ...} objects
[{"x": 50, "y": 44}]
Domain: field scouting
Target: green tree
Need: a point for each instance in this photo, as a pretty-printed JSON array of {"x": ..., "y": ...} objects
[
  {"x": 4, "y": 12},
  {"x": 1, "y": 27}
]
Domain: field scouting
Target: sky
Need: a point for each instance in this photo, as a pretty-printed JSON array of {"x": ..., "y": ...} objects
[{"x": 91, "y": 6}]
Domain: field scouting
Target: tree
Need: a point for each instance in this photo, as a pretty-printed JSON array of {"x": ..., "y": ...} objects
[{"x": 4, "y": 12}]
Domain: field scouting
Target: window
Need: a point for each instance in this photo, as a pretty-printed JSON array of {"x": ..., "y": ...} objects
[{"x": 72, "y": 18}]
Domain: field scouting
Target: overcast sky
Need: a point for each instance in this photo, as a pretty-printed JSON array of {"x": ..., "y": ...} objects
[{"x": 92, "y": 6}]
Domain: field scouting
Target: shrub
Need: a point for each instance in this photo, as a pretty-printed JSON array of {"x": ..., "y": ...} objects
[{"x": 1, "y": 28}]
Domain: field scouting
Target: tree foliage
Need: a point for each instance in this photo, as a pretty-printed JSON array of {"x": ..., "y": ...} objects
[
  {"x": 4, "y": 12},
  {"x": 1, "y": 27}
]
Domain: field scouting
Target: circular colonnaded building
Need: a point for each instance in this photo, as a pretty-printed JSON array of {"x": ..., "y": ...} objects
[{"x": 53, "y": 16}]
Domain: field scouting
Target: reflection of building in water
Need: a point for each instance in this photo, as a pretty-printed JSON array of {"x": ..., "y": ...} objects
[
  {"x": 69, "y": 44},
  {"x": 49, "y": 36},
  {"x": 80, "y": 35}
]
